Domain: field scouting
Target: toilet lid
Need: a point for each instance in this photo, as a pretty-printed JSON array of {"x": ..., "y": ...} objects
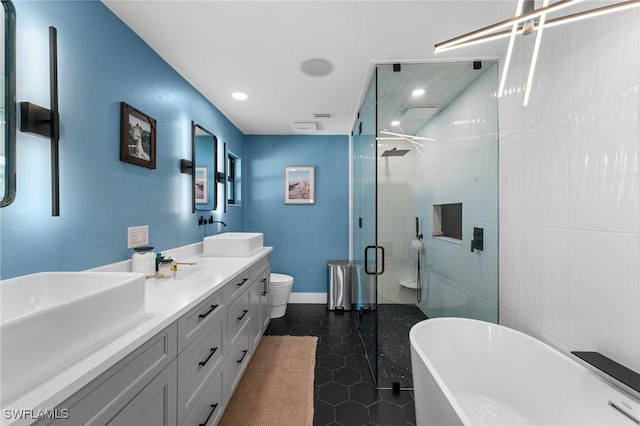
[{"x": 281, "y": 279}]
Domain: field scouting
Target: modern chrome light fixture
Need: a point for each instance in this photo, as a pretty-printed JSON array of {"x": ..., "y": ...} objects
[
  {"x": 534, "y": 57},
  {"x": 522, "y": 22},
  {"x": 491, "y": 32},
  {"x": 405, "y": 136}
]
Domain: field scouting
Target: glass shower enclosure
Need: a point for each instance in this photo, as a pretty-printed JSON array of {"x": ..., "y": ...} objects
[{"x": 425, "y": 205}]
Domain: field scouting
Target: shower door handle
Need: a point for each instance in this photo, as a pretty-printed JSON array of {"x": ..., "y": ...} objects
[{"x": 366, "y": 260}]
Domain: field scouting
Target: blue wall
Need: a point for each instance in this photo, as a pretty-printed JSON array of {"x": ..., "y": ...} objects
[
  {"x": 304, "y": 237},
  {"x": 101, "y": 63}
]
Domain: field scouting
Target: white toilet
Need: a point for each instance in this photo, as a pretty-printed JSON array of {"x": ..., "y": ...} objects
[{"x": 280, "y": 289}]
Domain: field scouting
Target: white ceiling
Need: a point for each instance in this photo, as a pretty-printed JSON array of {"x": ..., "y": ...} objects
[{"x": 257, "y": 47}]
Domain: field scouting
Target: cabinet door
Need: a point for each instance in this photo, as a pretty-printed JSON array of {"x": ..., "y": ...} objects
[
  {"x": 155, "y": 405},
  {"x": 209, "y": 406},
  {"x": 265, "y": 307},
  {"x": 196, "y": 364},
  {"x": 199, "y": 319},
  {"x": 235, "y": 362},
  {"x": 259, "y": 307},
  {"x": 237, "y": 316},
  {"x": 255, "y": 294}
]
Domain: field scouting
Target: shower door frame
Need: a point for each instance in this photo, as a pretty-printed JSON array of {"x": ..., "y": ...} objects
[{"x": 366, "y": 240}]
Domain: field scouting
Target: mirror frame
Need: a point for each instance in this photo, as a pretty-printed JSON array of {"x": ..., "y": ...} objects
[
  {"x": 9, "y": 193},
  {"x": 214, "y": 173}
]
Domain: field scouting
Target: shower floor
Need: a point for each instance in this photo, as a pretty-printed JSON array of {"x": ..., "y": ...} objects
[{"x": 394, "y": 351}]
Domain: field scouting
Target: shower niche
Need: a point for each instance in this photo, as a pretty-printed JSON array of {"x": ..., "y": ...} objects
[
  {"x": 424, "y": 175},
  {"x": 447, "y": 221}
]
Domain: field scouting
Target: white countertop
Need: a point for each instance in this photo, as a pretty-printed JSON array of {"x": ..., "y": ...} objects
[{"x": 166, "y": 300}]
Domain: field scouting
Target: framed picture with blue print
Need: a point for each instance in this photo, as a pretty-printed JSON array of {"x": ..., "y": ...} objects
[{"x": 299, "y": 184}]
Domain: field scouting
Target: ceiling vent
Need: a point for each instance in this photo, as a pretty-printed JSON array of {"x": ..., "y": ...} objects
[
  {"x": 323, "y": 115},
  {"x": 304, "y": 126}
]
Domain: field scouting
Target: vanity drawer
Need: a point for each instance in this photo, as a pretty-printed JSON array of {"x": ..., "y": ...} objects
[
  {"x": 236, "y": 286},
  {"x": 237, "y": 316},
  {"x": 236, "y": 361},
  {"x": 208, "y": 407},
  {"x": 199, "y": 319},
  {"x": 196, "y": 363}
]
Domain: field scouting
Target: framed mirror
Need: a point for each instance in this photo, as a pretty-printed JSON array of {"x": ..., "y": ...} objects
[
  {"x": 205, "y": 160},
  {"x": 8, "y": 106}
]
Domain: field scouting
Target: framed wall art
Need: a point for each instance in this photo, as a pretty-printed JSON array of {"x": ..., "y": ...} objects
[
  {"x": 299, "y": 185},
  {"x": 202, "y": 185},
  {"x": 137, "y": 137}
]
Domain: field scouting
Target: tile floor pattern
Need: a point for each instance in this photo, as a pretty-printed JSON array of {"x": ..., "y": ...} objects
[{"x": 344, "y": 394}]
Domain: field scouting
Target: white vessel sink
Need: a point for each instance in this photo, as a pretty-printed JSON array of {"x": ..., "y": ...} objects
[
  {"x": 233, "y": 244},
  {"x": 50, "y": 319}
]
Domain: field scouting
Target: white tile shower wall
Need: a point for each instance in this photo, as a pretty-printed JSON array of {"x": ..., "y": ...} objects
[
  {"x": 396, "y": 222},
  {"x": 461, "y": 166},
  {"x": 569, "y": 188}
]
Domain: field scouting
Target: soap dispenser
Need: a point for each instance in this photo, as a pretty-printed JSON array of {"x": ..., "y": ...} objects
[{"x": 144, "y": 260}]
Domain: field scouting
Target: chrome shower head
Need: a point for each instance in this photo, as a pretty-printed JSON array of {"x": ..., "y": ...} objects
[{"x": 394, "y": 152}]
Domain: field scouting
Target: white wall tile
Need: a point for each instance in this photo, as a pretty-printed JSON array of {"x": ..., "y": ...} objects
[
  {"x": 603, "y": 167},
  {"x": 545, "y": 280},
  {"x": 482, "y": 196},
  {"x": 545, "y": 175},
  {"x": 511, "y": 271},
  {"x": 603, "y": 294},
  {"x": 511, "y": 195},
  {"x": 602, "y": 56},
  {"x": 510, "y": 111},
  {"x": 569, "y": 190},
  {"x": 549, "y": 92}
]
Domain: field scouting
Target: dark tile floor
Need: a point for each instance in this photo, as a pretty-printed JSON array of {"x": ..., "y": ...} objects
[
  {"x": 344, "y": 393},
  {"x": 394, "y": 349}
]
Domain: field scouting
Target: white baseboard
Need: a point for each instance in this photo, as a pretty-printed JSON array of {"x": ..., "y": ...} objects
[{"x": 316, "y": 298}]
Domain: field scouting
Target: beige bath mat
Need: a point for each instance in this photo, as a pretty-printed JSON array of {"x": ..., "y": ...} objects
[{"x": 277, "y": 386}]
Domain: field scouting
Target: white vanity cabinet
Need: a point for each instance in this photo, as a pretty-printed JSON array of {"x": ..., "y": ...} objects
[
  {"x": 205, "y": 384},
  {"x": 186, "y": 374},
  {"x": 242, "y": 332},
  {"x": 139, "y": 389}
]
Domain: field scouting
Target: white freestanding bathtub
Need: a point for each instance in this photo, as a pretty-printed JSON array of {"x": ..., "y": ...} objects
[{"x": 469, "y": 372}]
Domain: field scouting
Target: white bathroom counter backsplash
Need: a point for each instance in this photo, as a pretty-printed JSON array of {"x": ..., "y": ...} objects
[{"x": 166, "y": 300}]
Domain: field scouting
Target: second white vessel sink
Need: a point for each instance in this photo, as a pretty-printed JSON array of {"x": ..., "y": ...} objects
[
  {"x": 50, "y": 319},
  {"x": 233, "y": 244}
]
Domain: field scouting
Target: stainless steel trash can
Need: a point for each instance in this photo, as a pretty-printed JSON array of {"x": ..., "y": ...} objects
[{"x": 340, "y": 282}]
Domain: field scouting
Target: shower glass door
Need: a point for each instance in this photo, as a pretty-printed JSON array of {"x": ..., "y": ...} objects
[
  {"x": 364, "y": 225},
  {"x": 425, "y": 198}
]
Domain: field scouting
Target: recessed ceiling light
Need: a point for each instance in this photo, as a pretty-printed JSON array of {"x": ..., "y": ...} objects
[
  {"x": 395, "y": 123},
  {"x": 417, "y": 92},
  {"x": 240, "y": 96},
  {"x": 316, "y": 67}
]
